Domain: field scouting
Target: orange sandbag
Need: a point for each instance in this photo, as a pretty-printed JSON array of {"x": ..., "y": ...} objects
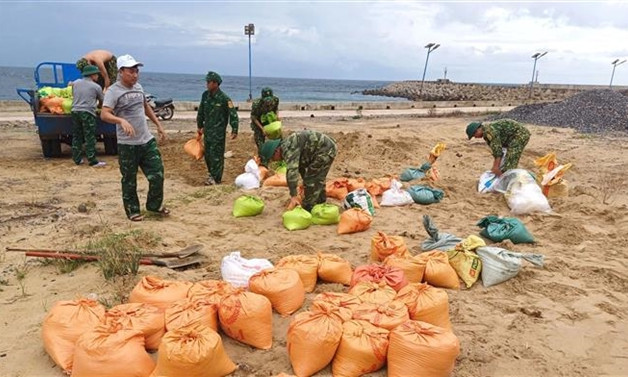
[
  {"x": 413, "y": 268},
  {"x": 355, "y": 183},
  {"x": 247, "y": 317},
  {"x": 64, "y": 324},
  {"x": 376, "y": 293},
  {"x": 146, "y": 318},
  {"x": 354, "y": 220},
  {"x": 195, "y": 147},
  {"x": 263, "y": 172},
  {"x": 383, "y": 245},
  {"x": 190, "y": 312},
  {"x": 363, "y": 348},
  {"x": 312, "y": 340},
  {"x": 282, "y": 286},
  {"x": 277, "y": 180},
  {"x": 337, "y": 188},
  {"x": 210, "y": 290},
  {"x": 334, "y": 269},
  {"x": 387, "y": 316},
  {"x": 52, "y": 104},
  {"x": 305, "y": 265},
  {"x": 161, "y": 293},
  {"x": 343, "y": 300},
  {"x": 426, "y": 303},
  {"x": 193, "y": 351},
  {"x": 393, "y": 276},
  {"x": 419, "y": 349},
  {"x": 111, "y": 351},
  {"x": 331, "y": 309},
  {"x": 438, "y": 271},
  {"x": 376, "y": 187}
]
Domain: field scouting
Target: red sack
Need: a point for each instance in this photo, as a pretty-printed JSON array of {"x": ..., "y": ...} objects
[{"x": 392, "y": 276}]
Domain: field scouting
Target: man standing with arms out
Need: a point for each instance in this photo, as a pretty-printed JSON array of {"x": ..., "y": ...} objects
[
  {"x": 125, "y": 105},
  {"x": 106, "y": 63},
  {"x": 503, "y": 133},
  {"x": 308, "y": 153},
  {"x": 214, "y": 112},
  {"x": 86, "y": 95},
  {"x": 264, "y": 110}
]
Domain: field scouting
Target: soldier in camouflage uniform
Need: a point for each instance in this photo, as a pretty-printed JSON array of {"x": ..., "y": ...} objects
[
  {"x": 261, "y": 107},
  {"x": 214, "y": 112},
  {"x": 308, "y": 153},
  {"x": 503, "y": 133}
]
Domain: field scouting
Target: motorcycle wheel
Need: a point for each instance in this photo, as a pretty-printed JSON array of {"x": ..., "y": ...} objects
[{"x": 167, "y": 113}]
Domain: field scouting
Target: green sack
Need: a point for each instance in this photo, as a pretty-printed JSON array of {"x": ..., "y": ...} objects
[
  {"x": 273, "y": 130},
  {"x": 66, "y": 105},
  {"x": 247, "y": 205},
  {"x": 425, "y": 195},
  {"x": 498, "y": 229},
  {"x": 411, "y": 174},
  {"x": 325, "y": 214},
  {"x": 268, "y": 118},
  {"x": 279, "y": 167},
  {"x": 297, "y": 219},
  {"x": 44, "y": 91}
]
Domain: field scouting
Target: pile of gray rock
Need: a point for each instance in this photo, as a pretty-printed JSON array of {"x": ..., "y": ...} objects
[{"x": 592, "y": 111}]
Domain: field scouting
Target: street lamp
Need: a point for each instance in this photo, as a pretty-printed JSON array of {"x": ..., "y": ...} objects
[
  {"x": 430, "y": 47},
  {"x": 536, "y": 57},
  {"x": 615, "y": 63},
  {"x": 249, "y": 30}
]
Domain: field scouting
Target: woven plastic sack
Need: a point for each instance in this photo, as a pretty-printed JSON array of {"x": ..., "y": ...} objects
[
  {"x": 248, "y": 318},
  {"x": 276, "y": 180},
  {"x": 251, "y": 177},
  {"x": 337, "y": 188},
  {"x": 334, "y": 269},
  {"x": 210, "y": 290},
  {"x": 305, "y": 265},
  {"x": 237, "y": 270},
  {"x": 487, "y": 182},
  {"x": 392, "y": 276},
  {"x": 370, "y": 292},
  {"x": 354, "y": 220},
  {"x": 111, "y": 351},
  {"x": 467, "y": 265},
  {"x": 195, "y": 147},
  {"x": 383, "y": 245},
  {"x": 426, "y": 303},
  {"x": 413, "y": 268},
  {"x": 325, "y": 214},
  {"x": 523, "y": 194},
  {"x": 420, "y": 349},
  {"x": 438, "y": 271},
  {"x": 273, "y": 130},
  {"x": 425, "y": 194},
  {"x": 411, "y": 174},
  {"x": 437, "y": 240},
  {"x": 499, "y": 265},
  {"x": 359, "y": 198},
  {"x": 342, "y": 300},
  {"x": 247, "y": 205},
  {"x": 297, "y": 219},
  {"x": 279, "y": 167},
  {"x": 192, "y": 312},
  {"x": 146, "y": 318},
  {"x": 395, "y": 196},
  {"x": 387, "y": 316},
  {"x": 159, "y": 292},
  {"x": 64, "y": 324},
  {"x": 498, "y": 229},
  {"x": 193, "y": 352},
  {"x": 282, "y": 286},
  {"x": 376, "y": 187},
  {"x": 354, "y": 184},
  {"x": 362, "y": 349}
]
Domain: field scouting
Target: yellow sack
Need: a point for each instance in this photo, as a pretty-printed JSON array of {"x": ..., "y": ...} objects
[
  {"x": 546, "y": 163},
  {"x": 558, "y": 190},
  {"x": 467, "y": 264},
  {"x": 470, "y": 243},
  {"x": 438, "y": 149}
]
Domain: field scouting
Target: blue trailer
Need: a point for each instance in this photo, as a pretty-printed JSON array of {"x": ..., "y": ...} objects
[{"x": 55, "y": 129}]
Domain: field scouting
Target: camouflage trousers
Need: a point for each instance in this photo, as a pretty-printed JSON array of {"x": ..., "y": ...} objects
[
  {"x": 83, "y": 131},
  {"x": 148, "y": 158},
  {"x": 314, "y": 176},
  {"x": 110, "y": 66},
  {"x": 515, "y": 149},
  {"x": 258, "y": 136},
  {"x": 215, "y": 152}
]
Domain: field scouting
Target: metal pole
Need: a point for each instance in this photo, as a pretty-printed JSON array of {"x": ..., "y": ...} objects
[
  {"x": 612, "y": 74},
  {"x": 532, "y": 80},
  {"x": 424, "y": 70},
  {"x": 250, "y": 86}
]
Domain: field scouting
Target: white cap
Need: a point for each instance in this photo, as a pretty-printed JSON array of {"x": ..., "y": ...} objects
[{"x": 127, "y": 61}]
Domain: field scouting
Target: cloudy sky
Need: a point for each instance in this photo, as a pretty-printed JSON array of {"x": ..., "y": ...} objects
[{"x": 480, "y": 41}]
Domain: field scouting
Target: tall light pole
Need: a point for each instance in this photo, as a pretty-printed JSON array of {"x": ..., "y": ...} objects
[
  {"x": 430, "y": 47},
  {"x": 249, "y": 30},
  {"x": 536, "y": 57},
  {"x": 615, "y": 63}
]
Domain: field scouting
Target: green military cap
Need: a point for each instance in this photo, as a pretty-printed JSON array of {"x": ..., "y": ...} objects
[
  {"x": 472, "y": 127},
  {"x": 268, "y": 149},
  {"x": 89, "y": 70},
  {"x": 213, "y": 76},
  {"x": 267, "y": 92}
]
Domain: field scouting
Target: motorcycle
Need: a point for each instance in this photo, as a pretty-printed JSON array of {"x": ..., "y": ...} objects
[{"x": 163, "y": 108}]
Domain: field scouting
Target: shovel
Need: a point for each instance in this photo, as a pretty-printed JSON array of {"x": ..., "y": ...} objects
[
  {"x": 183, "y": 253},
  {"x": 168, "y": 262}
]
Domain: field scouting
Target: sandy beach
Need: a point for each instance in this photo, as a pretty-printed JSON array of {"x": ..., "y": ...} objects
[{"x": 565, "y": 319}]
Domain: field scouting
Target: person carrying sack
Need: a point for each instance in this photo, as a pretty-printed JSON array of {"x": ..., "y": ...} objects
[
  {"x": 86, "y": 95},
  {"x": 261, "y": 110}
]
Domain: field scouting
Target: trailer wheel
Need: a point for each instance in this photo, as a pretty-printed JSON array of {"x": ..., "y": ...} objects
[
  {"x": 111, "y": 145},
  {"x": 51, "y": 148}
]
